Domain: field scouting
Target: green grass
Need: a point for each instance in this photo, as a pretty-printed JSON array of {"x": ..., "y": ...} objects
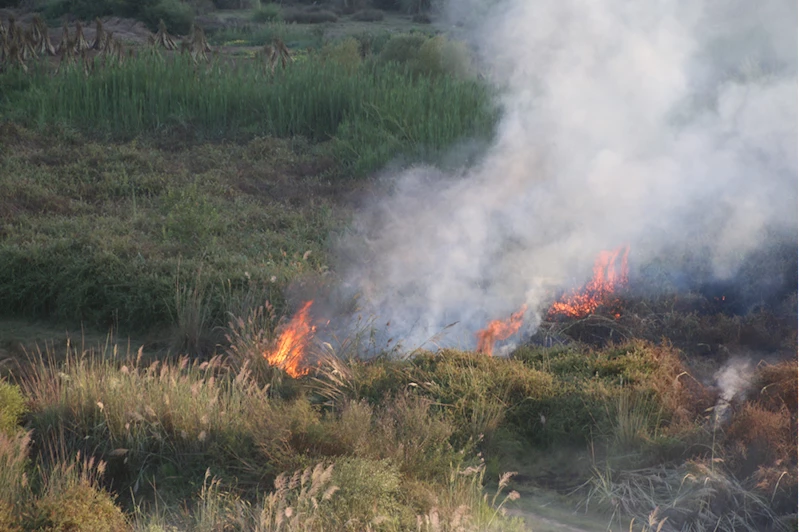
[
  {"x": 295, "y": 37},
  {"x": 108, "y": 234},
  {"x": 375, "y": 112}
]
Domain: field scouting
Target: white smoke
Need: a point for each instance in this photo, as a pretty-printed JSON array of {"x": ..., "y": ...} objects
[
  {"x": 665, "y": 125},
  {"x": 733, "y": 379}
]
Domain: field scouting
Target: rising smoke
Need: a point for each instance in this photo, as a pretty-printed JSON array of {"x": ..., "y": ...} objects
[{"x": 670, "y": 126}]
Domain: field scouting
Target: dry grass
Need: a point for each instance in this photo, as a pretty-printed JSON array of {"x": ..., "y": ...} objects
[{"x": 697, "y": 496}]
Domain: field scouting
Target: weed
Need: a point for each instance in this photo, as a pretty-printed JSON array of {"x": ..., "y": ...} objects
[
  {"x": 267, "y": 13},
  {"x": 12, "y": 407}
]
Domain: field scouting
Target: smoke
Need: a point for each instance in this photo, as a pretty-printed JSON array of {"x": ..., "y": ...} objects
[
  {"x": 732, "y": 379},
  {"x": 670, "y": 126}
]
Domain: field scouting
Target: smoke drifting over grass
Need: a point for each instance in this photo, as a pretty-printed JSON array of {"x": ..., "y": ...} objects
[{"x": 670, "y": 126}]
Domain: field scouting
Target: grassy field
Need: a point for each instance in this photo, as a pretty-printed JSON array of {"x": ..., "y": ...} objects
[{"x": 166, "y": 201}]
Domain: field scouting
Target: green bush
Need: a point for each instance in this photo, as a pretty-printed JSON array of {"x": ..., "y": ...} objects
[
  {"x": 236, "y": 4},
  {"x": 439, "y": 55},
  {"x": 368, "y": 15},
  {"x": 403, "y": 48},
  {"x": 83, "y": 9},
  {"x": 368, "y": 489},
  {"x": 79, "y": 508},
  {"x": 177, "y": 16},
  {"x": 299, "y": 16},
  {"x": 267, "y": 13},
  {"x": 345, "y": 53},
  {"x": 12, "y": 406}
]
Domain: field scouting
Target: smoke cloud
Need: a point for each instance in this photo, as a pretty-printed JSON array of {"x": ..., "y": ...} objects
[{"x": 670, "y": 126}]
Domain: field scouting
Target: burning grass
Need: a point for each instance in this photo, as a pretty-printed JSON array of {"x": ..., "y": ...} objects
[
  {"x": 402, "y": 436},
  {"x": 171, "y": 426}
]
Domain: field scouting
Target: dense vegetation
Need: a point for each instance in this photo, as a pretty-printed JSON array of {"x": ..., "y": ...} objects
[{"x": 168, "y": 199}]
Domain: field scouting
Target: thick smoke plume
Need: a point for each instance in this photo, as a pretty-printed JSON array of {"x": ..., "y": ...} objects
[{"x": 670, "y": 126}]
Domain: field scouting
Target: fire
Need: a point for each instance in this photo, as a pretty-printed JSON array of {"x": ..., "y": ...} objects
[
  {"x": 610, "y": 273},
  {"x": 290, "y": 347},
  {"x": 499, "y": 330}
]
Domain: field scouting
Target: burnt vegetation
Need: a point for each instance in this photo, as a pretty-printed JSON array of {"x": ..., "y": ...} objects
[{"x": 163, "y": 179}]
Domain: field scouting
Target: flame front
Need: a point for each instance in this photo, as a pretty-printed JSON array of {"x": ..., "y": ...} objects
[
  {"x": 290, "y": 347},
  {"x": 499, "y": 330},
  {"x": 610, "y": 273}
]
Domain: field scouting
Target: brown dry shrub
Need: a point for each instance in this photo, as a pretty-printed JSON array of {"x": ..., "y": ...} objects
[
  {"x": 776, "y": 385},
  {"x": 760, "y": 437},
  {"x": 780, "y": 485},
  {"x": 680, "y": 394}
]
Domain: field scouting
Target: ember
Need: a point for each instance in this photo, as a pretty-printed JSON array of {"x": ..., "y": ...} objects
[
  {"x": 499, "y": 330},
  {"x": 290, "y": 347},
  {"x": 610, "y": 273}
]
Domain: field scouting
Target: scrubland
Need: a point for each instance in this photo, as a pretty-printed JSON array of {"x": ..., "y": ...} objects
[{"x": 168, "y": 200}]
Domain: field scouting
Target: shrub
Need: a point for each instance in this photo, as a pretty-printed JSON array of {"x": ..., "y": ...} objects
[
  {"x": 14, "y": 488},
  {"x": 368, "y": 490},
  {"x": 177, "y": 16},
  {"x": 236, "y": 4},
  {"x": 70, "y": 498},
  {"x": 12, "y": 406},
  {"x": 79, "y": 508},
  {"x": 761, "y": 437},
  {"x": 439, "y": 55},
  {"x": 415, "y": 6},
  {"x": 299, "y": 16},
  {"x": 368, "y": 15},
  {"x": 345, "y": 53},
  {"x": 267, "y": 13},
  {"x": 402, "y": 48},
  {"x": 421, "y": 18},
  {"x": 777, "y": 386},
  {"x": 371, "y": 44},
  {"x": 83, "y": 9}
]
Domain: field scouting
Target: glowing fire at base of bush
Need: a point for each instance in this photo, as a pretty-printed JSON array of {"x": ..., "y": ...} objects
[
  {"x": 290, "y": 348},
  {"x": 610, "y": 273},
  {"x": 499, "y": 330}
]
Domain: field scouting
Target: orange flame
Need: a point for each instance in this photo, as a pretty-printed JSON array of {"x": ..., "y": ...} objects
[
  {"x": 610, "y": 273},
  {"x": 290, "y": 347},
  {"x": 499, "y": 330}
]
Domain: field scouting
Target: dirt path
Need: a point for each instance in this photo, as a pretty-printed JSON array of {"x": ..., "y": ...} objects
[{"x": 539, "y": 523}]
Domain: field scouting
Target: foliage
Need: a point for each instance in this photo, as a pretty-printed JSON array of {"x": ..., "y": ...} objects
[
  {"x": 12, "y": 407},
  {"x": 303, "y": 16},
  {"x": 368, "y": 15},
  {"x": 177, "y": 15},
  {"x": 345, "y": 53},
  {"x": 267, "y": 13},
  {"x": 149, "y": 94},
  {"x": 402, "y": 48},
  {"x": 236, "y": 4}
]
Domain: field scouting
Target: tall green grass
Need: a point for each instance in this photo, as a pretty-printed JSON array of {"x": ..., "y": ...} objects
[{"x": 365, "y": 109}]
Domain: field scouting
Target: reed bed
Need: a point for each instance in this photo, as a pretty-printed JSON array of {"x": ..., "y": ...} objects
[{"x": 321, "y": 100}]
